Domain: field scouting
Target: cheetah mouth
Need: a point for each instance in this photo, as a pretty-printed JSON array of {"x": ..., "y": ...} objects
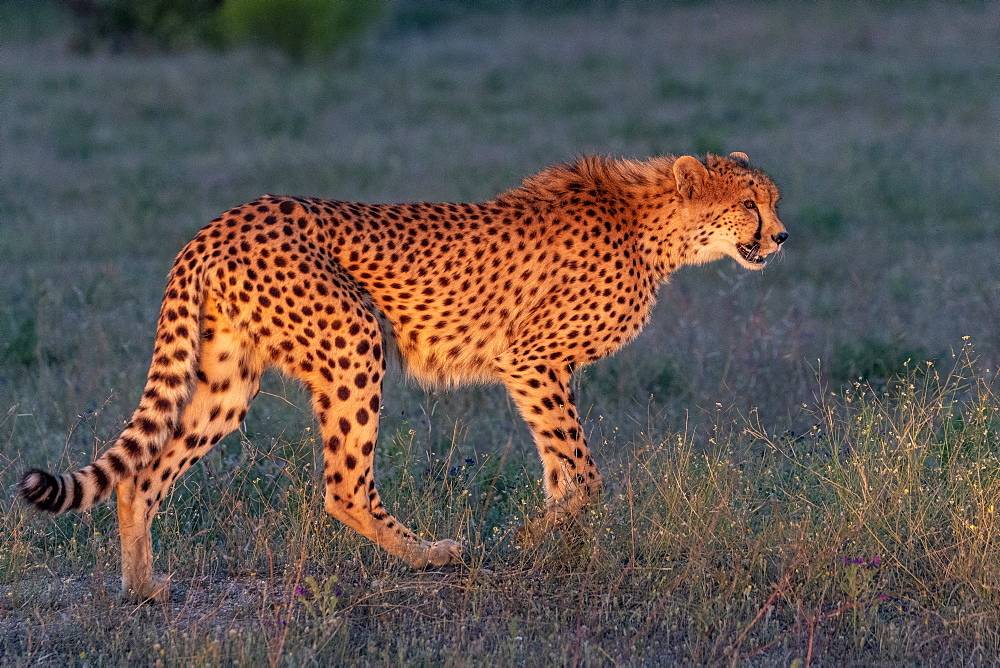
[{"x": 751, "y": 254}]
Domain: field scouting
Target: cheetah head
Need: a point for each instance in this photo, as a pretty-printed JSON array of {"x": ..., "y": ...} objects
[{"x": 730, "y": 209}]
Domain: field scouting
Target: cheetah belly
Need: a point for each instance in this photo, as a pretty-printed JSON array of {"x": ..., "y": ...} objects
[{"x": 446, "y": 356}]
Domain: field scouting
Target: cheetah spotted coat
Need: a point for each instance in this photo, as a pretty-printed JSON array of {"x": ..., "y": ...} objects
[{"x": 519, "y": 290}]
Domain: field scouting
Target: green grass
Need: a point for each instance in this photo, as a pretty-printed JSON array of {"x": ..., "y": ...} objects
[{"x": 763, "y": 505}]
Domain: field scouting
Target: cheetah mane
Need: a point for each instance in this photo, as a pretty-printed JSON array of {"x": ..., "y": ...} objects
[{"x": 600, "y": 174}]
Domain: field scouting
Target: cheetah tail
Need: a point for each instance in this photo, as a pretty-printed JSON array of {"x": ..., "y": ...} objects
[{"x": 168, "y": 389}]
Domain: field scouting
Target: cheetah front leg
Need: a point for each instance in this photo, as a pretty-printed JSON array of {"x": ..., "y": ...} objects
[{"x": 541, "y": 392}]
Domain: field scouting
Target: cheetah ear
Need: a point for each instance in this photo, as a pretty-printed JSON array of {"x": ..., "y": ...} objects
[
  {"x": 740, "y": 155},
  {"x": 690, "y": 176}
]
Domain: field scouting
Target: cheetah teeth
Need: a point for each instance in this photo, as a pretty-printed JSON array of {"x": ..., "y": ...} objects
[{"x": 749, "y": 253}]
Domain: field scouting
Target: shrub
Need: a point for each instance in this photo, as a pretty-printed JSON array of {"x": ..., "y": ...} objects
[
  {"x": 300, "y": 28},
  {"x": 125, "y": 24},
  {"x": 874, "y": 359},
  {"x": 21, "y": 348}
]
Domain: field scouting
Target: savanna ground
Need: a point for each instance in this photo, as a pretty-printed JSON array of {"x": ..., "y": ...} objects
[{"x": 801, "y": 463}]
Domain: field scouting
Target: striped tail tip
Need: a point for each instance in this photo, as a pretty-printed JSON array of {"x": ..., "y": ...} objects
[{"x": 42, "y": 490}]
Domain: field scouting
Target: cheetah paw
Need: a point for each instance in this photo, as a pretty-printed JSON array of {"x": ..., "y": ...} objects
[
  {"x": 443, "y": 553},
  {"x": 156, "y": 589},
  {"x": 530, "y": 535}
]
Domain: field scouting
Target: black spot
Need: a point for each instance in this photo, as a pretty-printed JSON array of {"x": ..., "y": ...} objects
[
  {"x": 222, "y": 386},
  {"x": 131, "y": 446},
  {"x": 117, "y": 464},
  {"x": 146, "y": 425},
  {"x": 362, "y": 416},
  {"x": 100, "y": 477}
]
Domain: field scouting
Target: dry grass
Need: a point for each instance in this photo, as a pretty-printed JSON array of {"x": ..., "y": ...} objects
[{"x": 762, "y": 506}]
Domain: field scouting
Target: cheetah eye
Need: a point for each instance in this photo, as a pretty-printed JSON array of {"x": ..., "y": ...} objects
[{"x": 750, "y": 204}]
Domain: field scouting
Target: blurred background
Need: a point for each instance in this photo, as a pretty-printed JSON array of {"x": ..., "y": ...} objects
[
  {"x": 126, "y": 126},
  {"x": 752, "y": 437}
]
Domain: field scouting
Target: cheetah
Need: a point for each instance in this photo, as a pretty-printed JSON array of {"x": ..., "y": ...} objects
[{"x": 521, "y": 290}]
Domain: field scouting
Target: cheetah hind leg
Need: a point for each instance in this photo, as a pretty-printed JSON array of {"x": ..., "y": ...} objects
[
  {"x": 351, "y": 496},
  {"x": 228, "y": 380},
  {"x": 138, "y": 582},
  {"x": 346, "y": 402}
]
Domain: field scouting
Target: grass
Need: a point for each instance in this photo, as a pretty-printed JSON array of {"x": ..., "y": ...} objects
[{"x": 764, "y": 505}]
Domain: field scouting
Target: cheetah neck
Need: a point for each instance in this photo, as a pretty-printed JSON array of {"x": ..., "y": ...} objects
[{"x": 662, "y": 240}]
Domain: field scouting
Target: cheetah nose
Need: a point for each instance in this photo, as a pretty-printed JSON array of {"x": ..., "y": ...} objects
[{"x": 780, "y": 238}]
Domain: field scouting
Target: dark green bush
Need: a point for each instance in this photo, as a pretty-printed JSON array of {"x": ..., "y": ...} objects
[
  {"x": 128, "y": 24},
  {"x": 300, "y": 28},
  {"x": 875, "y": 359},
  {"x": 20, "y": 348}
]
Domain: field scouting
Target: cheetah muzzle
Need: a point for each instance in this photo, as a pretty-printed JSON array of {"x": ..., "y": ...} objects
[
  {"x": 751, "y": 253},
  {"x": 520, "y": 290}
]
